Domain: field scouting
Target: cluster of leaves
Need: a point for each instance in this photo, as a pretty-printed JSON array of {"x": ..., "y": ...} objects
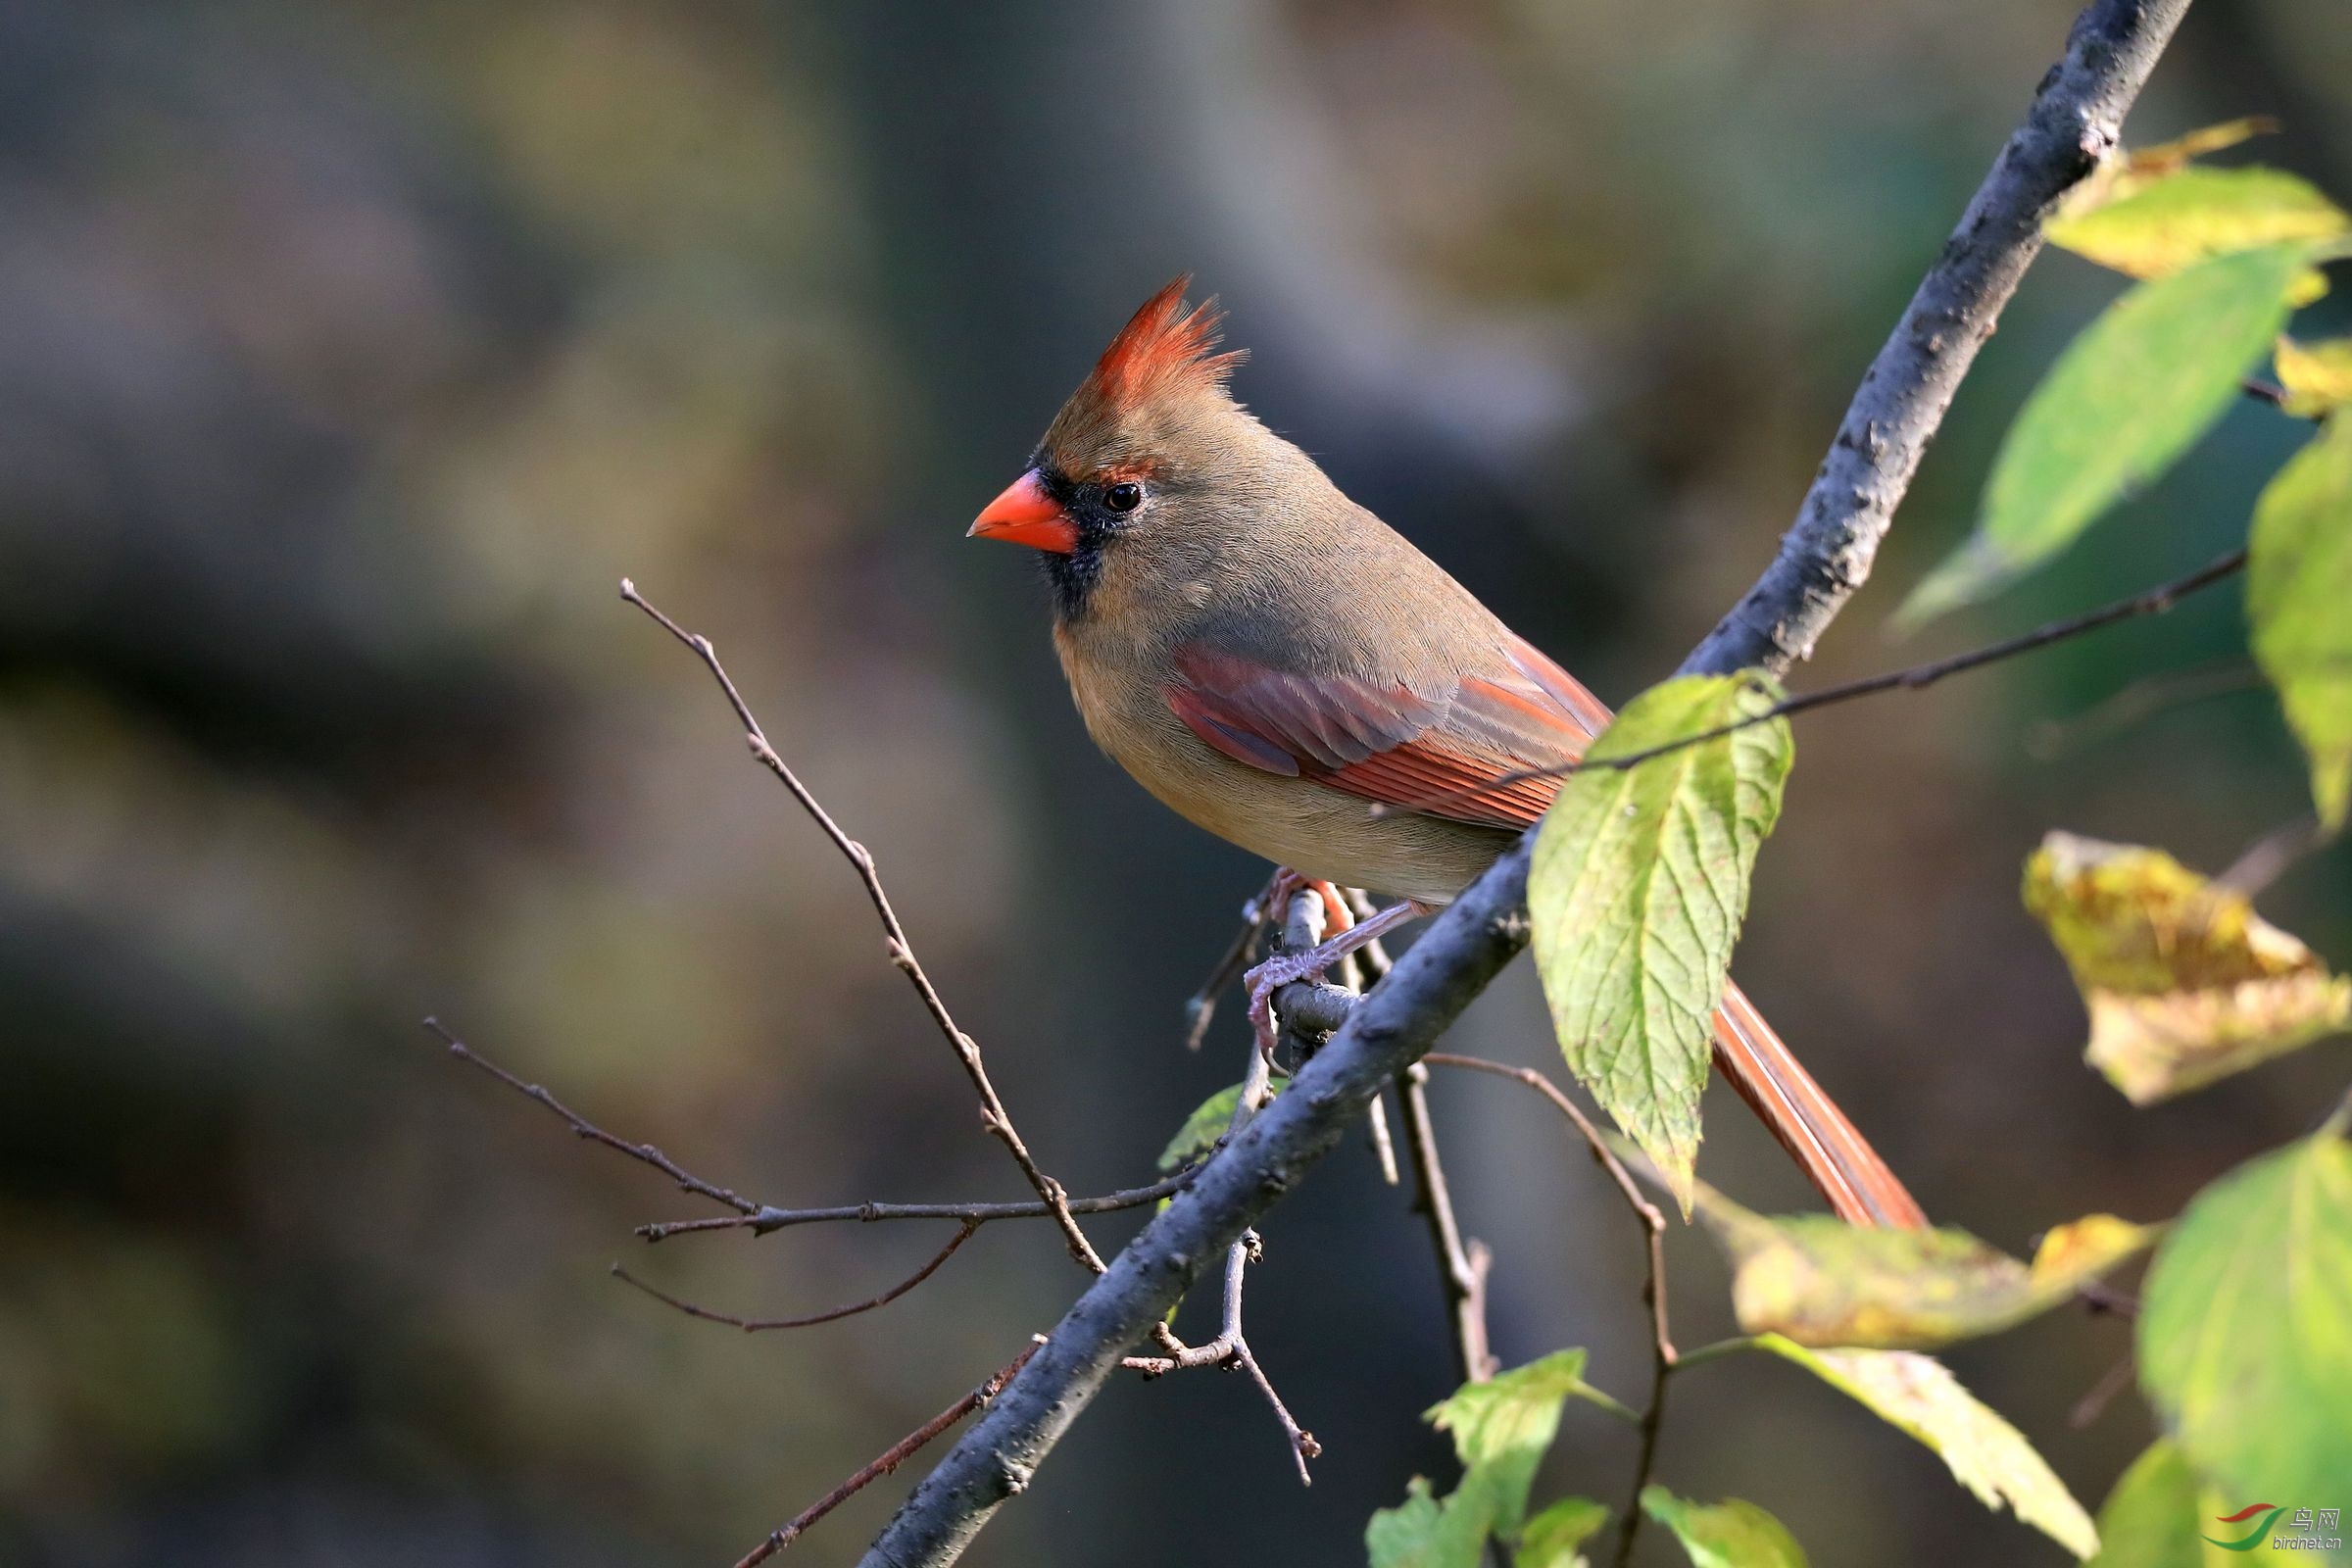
[{"x": 1639, "y": 882}]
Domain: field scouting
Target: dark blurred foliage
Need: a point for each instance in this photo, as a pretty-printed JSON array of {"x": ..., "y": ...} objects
[{"x": 348, "y": 354}]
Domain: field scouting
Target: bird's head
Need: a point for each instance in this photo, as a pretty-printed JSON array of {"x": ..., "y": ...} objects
[{"x": 1149, "y": 460}]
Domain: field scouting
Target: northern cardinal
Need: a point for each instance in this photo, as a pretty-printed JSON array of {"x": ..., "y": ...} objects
[{"x": 1271, "y": 660}]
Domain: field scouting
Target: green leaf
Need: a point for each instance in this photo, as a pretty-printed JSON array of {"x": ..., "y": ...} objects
[
  {"x": 2298, "y": 590},
  {"x": 1637, "y": 889},
  {"x": 2128, "y": 397},
  {"x": 1501, "y": 1427},
  {"x": 1555, "y": 1537},
  {"x": 1823, "y": 1282},
  {"x": 1204, "y": 1126},
  {"x": 1730, "y": 1534},
  {"x": 2151, "y": 1519},
  {"x": 1423, "y": 1533},
  {"x": 2196, "y": 213},
  {"x": 2317, "y": 377},
  {"x": 2184, "y": 981},
  {"x": 2245, "y": 1325},
  {"x": 1987, "y": 1455}
]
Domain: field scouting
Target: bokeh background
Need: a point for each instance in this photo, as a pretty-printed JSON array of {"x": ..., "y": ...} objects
[{"x": 350, "y": 353}]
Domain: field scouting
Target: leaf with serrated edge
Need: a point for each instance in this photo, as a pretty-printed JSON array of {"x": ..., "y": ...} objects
[
  {"x": 2194, "y": 215},
  {"x": 1422, "y": 1532},
  {"x": 1992, "y": 1458},
  {"x": 2131, "y": 170},
  {"x": 2151, "y": 1519},
  {"x": 1823, "y": 1282},
  {"x": 2245, "y": 1325},
  {"x": 2129, "y": 395},
  {"x": 1501, "y": 1427},
  {"x": 1636, "y": 891},
  {"x": 2184, "y": 981},
  {"x": 2299, "y": 599},
  {"x": 1555, "y": 1537},
  {"x": 1730, "y": 1534},
  {"x": 2317, "y": 377}
]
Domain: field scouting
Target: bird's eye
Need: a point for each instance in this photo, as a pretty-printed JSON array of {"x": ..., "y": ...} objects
[{"x": 1125, "y": 495}]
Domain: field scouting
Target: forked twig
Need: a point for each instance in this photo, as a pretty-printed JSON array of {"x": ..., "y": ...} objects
[
  {"x": 993, "y": 1115},
  {"x": 757, "y": 1325}
]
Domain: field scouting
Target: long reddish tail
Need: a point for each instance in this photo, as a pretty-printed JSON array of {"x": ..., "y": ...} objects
[{"x": 1834, "y": 1156}]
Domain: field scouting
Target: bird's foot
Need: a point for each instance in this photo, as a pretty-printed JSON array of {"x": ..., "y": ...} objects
[{"x": 1284, "y": 969}]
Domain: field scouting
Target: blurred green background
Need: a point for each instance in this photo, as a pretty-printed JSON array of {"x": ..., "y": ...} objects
[{"x": 350, "y": 353}]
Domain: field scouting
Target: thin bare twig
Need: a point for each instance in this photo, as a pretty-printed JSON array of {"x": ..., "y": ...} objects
[
  {"x": 896, "y": 1454},
  {"x": 2148, "y": 601},
  {"x": 2272, "y": 855},
  {"x": 2052, "y": 738},
  {"x": 1202, "y": 1005},
  {"x": 745, "y": 1209},
  {"x": 757, "y": 1325},
  {"x": 993, "y": 1115},
  {"x": 1463, "y": 1265},
  {"x": 2093, "y": 1404},
  {"x": 1231, "y": 1346},
  {"x": 768, "y": 1218},
  {"x": 1664, "y": 1360}
]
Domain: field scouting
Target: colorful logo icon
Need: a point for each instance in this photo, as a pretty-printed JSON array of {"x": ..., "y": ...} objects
[{"x": 2253, "y": 1537}]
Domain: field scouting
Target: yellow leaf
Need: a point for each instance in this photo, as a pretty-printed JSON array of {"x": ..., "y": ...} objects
[
  {"x": 1918, "y": 1395},
  {"x": 2185, "y": 982},
  {"x": 1822, "y": 1282},
  {"x": 2130, "y": 173},
  {"x": 2193, "y": 214},
  {"x": 2317, "y": 376}
]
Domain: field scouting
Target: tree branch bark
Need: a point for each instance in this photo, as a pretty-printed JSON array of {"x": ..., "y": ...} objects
[{"x": 2075, "y": 120}]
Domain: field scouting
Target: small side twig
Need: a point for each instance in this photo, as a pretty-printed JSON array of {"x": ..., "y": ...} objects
[
  {"x": 1463, "y": 1265},
  {"x": 896, "y": 1454},
  {"x": 1231, "y": 1346},
  {"x": 993, "y": 1115},
  {"x": 2052, "y": 738},
  {"x": 745, "y": 1209},
  {"x": 2271, "y": 855},
  {"x": 767, "y": 1218},
  {"x": 2154, "y": 601},
  {"x": 757, "y": 1325},
  {"x": 1202, "y": 1005},
  {"x": 1664, "y": 1359}
]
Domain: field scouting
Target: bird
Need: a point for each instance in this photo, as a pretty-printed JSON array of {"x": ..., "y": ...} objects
[{"x": 1284, "y": 669}]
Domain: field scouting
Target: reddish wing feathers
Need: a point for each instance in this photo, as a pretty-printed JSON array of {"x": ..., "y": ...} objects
[
  {"x": 1441, "y": 754},
  {"x": 1438, "y": 752}
]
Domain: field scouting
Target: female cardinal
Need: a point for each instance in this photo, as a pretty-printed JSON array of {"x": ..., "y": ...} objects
[{"x": 1271, "y": 660}]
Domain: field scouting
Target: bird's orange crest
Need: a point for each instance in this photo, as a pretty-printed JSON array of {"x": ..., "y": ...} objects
[{"x": 1164, "y": 348}]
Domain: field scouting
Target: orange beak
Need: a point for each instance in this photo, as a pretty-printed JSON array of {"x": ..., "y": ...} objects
[{"x": 1024, "y": 514}]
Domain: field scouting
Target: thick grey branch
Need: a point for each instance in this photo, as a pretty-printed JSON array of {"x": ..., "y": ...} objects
[
  {"x": 1822, "y": 561},
  {"x": 2075, "y": 120}
]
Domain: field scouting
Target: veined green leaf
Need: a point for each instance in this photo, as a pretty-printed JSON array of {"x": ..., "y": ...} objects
[
  {"x": 2133, "y": 393},
  {"x": 1989, "y": 1456},
  {"x": 1730, "y": 1534},
  {"x": 2184, "y": 981},
  {"x": 1638, "y": 887},
  {"x": 2245, "y": 1325},
  {"x": 1500, "y": 1430},
  {"x": 2299, "y": 598},
  {"x": 1823, "y": 1282}
]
